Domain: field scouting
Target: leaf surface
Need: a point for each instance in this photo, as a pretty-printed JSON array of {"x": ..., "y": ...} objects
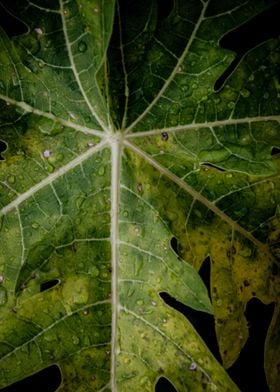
[{"x": 117, "y": 142}]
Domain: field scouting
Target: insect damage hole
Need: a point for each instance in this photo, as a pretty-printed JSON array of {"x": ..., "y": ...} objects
[
  {"x": 46, "y": 380},
  {"x": 203, "y": 323},
  {"x": 3, "y": 148},
  {"x": 275, "y": 151},
  {"x": 248, "y": 36},
  {"x": 248, "y": 371},
  {"x": 174, "y": 245},
  {"x": 164, "y": 385},
  {"x": 48, "y": 284},
  {"x": 10, "y": 23},
  {"x": 164, "y": 8}
]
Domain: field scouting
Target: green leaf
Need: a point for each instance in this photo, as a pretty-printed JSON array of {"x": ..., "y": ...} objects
[{"x": 116, "y": 143}]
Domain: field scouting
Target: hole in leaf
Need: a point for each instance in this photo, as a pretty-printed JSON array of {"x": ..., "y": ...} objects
[
  {"x": 3, "y": 147},
  {"x": 48, "y": 285},
  {"x": 248, "y": 371},
  {"x": 275, "y": 250},
  {"x": 10, "y": 23},
  {"x": 275, "y": 151},
  {"x": 46, "y": 380},
  {"x": 203, "y": 323},
  {"x": 247, "y": 36},
  {"x": 211, "y": 165},
  {"x": 205, "y": 272},
  {"x": 164, "y": 385},
  {"x": 174, "y": 245},
  {"x": 164, "y": 8}
]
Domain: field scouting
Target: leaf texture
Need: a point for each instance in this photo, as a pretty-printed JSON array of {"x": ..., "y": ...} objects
[{"x": 117, "y": 142}]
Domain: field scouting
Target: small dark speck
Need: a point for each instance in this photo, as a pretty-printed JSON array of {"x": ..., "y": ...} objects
[
  {"x": 246, "y": 283},
  {"x": 164, "y": 136}
]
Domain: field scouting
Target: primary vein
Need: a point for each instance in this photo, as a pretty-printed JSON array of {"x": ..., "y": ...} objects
[
  {"x": 210, "y": 124},
  {"x": 31, "y": 109},
  {"x": 195, "y": 194},
  {"x": 173, "y": 73},
  {"x": 52, "y": 177}
]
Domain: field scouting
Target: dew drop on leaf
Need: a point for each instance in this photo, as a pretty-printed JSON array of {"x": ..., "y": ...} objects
[
  {"x": 3, "y": 296},
  {"x": 101, "y": 171},
  {"x": 94, "y": 271},
  {"x": 82, "y": 46},
  {"x": 231, "y": 105},
  {"x": 11, "y": 179},
  {"x": 245, "y": 93},
  {"x": 75, "y": 340},
  {"x": 47, "y": 153},
  {"x": 266, "y": 95},
  {"x": 130, "y": 292},
  {"x": 193, "y": 366}
]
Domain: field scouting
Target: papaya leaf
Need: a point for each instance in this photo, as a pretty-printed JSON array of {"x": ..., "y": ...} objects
[{"x": 115, "y": 141}]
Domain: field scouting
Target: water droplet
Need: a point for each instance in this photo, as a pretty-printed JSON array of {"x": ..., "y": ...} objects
[
  {"x": 245, "y": 93},
  {"x": 3, "y": 296},
  {"x": 11, "y": 179},
  {"x": 140, "y": 302},
  {"x": 59, "y": 157},
  {"x": 1, "y": 279},
  {"x": 101, "y": 171},
  {"x": 82, "y": 46},
  {"x": 144, "y": 380},
  {"x": 15, "y": 80},
  {"x": 47, "y": 153},
  {"x": 38, "y": 30},
  {"x": 219, "y": 302},
  {"x": 48, "y": 43},
  {"x": 251, "y": 77},
  {"x": 35, "y": 225},
  {"x": 138, "y": 265},
  {"x": 231, "y": 105},
  {"x": 94, "y": 271},
  {"x": 193, "y": 366},
  {"x": 125, "y": 214},
  {"x": 194, "y": 85},
  {"x": 245, "y": 140},
  {"x": 266, "y": 95},
  {"x": 197, "y": 213},
  {"x": 153, "y": 303},
  {"x": 41, "y": 64},
  {"x": 127, "y": 360},
  {"x": 75, "y": 340},
  {"x": 50, "y": 168}
]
